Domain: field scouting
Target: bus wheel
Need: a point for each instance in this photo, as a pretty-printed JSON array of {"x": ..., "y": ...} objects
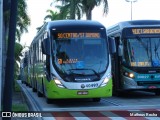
[
  {"x": 117, "y": 93},
  {"x": 39, "y": 94},
  {"x": 30, "y": 86},
  {"x": 96, "y": 99},
  {"x": 48, "y": 100},
  {"x": 157, "y": 92},
  {"x": 33, "y": 89},
  {"x": 26, "y": 84}
]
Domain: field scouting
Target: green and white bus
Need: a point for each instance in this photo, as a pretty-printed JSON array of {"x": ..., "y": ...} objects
[
  {"x": 71, "y": 59},
  {"x": 136, "y": 63}
]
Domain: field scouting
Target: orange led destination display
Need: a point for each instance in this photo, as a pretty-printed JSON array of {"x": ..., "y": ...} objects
[
  {"x": 78, "y": 35},
  {"x": 146, "y": 31}
]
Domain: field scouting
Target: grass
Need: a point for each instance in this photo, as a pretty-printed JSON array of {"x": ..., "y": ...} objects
[
  {"x": 17, "y": 87},
  {"x": 19, "y": 107},
  {"x": 22, "y": 106}
]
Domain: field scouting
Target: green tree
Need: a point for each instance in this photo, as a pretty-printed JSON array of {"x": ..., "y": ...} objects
[
  {"x": 89, "y": 5},
  {"x": 77, "y": 8},
  {"x": 17, "y": 54},
  {"x": 63, "y": 12},
  {"x": 52, "y": 15},
  {"x": 71, "y": 8},
  {"x": 23, "y": 20}
]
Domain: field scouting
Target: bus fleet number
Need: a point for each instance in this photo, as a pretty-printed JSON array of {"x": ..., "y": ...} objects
[{"x": 94, "y": 85}]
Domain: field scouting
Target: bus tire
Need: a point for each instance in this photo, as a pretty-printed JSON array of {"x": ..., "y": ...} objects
[
  {"x": 33, "y": 89},
  {"x": 157, "y": 92},
  {"x": 26, "y": 84},
  {"x": 48, "y": 100},
  {"x": 39, "y": 94},
  {"x": 96, "y": 99},
  {"x": 30, "y": 86},
  {"x": 117, "y": 93},
  {"x": 43, "y": 88}
]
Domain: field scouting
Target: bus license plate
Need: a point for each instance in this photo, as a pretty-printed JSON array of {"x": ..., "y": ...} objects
[{"x": 82, "y": 92}]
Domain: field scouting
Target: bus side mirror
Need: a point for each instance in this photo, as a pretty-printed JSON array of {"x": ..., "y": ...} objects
[
  {"x": 45, "y": 45},
  {"x": 120, "y": 50},
  {"x": 112, "y": 45}
]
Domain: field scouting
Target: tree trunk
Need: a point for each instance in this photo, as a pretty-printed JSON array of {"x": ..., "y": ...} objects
[
  {"x": 8, "y": 85},
  {"x": 89, "y": 14},
  {"x": 72, "y": 10}
]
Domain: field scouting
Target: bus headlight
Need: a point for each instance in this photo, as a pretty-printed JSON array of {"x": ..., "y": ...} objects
[
  {"x": 105, "y": 81},
  {"x": 130, "y": 75},
  {"x": 58, "y": 83}
]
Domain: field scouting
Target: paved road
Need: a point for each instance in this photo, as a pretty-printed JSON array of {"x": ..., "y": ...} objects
[{"x": 137, "y": 104}]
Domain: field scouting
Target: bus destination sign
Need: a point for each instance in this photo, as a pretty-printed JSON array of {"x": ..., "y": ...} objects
[
  {"x": 78, "y": 35},
  {"x": 146, "y": 31}
]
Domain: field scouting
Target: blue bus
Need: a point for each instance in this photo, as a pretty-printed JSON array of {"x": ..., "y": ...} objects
[{"x": 136, "y": 64}]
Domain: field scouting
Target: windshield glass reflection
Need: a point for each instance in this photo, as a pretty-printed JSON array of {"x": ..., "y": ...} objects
[
  {"x": 143, "y": 52},
  {"x": 81, "y": 57}
]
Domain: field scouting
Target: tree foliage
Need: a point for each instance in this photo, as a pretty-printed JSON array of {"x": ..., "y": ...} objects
[
  {"x": 89, "y": 5},
  {"x": 52, "y": 15},
  {"x": 23, "y": 20},
  {"x": 70, "y": 8},
  {"x": 77, "y": 8},
  {"x": 17, "y": 55}
]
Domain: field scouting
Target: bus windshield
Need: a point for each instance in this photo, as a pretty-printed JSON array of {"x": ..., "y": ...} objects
[
  {"x": 81, "y": 56},
  {"x": 142, "y": 52}
]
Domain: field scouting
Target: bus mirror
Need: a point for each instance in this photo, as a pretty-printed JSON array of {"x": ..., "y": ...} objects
[
  {"x": 120, "y": 50},
  {"x": 112, "y": 45},
  {"x": 45, "y": 47}
]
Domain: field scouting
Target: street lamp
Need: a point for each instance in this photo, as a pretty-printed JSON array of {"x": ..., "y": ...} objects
[{"x": 131, "y": 5}]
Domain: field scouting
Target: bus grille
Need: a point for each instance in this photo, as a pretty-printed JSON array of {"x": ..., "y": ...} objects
[
  {"x": 149, "y": 71},
  {"x": 148, "y": 83}
]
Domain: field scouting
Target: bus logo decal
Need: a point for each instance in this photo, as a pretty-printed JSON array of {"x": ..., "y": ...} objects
[{"x": 82, "y": 86}]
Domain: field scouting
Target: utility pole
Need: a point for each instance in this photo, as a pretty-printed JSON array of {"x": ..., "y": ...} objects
[
  {"x": 131, "y": 5},
  {"x": 9, "y": 77},
  {"x": 1, "y": 33}
]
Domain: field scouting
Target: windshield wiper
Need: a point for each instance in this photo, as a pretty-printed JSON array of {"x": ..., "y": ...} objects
[{"x": 85, "y": 69}]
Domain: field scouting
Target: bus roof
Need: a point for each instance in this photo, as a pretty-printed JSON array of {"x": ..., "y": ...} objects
[
  {"x": 69, "y": 25},
  {"x": 77, "y": 23},
  {"x": 134, "y": 23}
]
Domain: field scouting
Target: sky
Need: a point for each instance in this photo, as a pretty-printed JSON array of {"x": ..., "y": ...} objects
[{"x": 119, "y": 10}]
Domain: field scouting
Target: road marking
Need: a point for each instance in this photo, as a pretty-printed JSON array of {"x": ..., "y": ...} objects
[{"x": 108, "y": 115}]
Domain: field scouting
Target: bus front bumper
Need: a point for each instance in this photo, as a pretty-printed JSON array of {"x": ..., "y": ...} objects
[{"x": 129, "y": 84}]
